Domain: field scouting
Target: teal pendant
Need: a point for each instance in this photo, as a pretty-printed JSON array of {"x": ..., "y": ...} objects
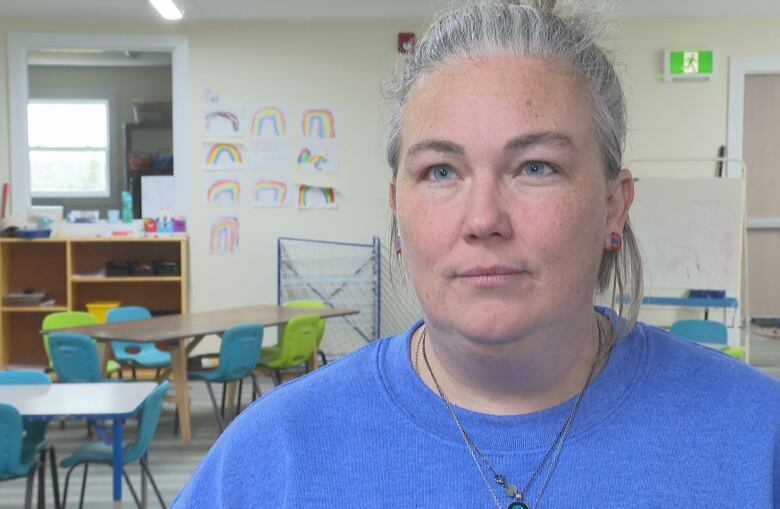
[{"x": 518, "y": 504}]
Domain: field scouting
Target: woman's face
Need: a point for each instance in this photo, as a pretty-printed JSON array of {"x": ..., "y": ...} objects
[{"x": 501, "y": 200}]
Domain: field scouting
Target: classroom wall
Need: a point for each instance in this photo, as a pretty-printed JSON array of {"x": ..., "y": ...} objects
[
  {"x": 683, "y": 119},
  {"x": 341, "y": 65}
]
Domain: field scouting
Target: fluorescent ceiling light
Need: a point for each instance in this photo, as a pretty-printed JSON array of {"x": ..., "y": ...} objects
[{"x": 167, "y": 9}]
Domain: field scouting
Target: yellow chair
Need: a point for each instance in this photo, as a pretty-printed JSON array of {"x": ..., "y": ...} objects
[{"x": 73, "y": 319}]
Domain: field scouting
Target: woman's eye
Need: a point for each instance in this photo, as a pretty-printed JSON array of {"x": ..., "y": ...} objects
[
  {"x": 536, "y": 169},
  {"x": 440, "y": 173}
]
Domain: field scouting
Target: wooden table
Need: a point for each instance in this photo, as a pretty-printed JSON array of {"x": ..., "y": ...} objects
[
  {"x": 183, "y": 332},
  {"x": 89, "y": 401}
]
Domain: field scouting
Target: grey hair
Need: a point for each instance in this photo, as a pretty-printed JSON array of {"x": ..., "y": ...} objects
[{"x": 539, "y": 28}]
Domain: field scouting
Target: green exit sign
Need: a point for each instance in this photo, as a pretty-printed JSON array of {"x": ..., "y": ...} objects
[{"x": 689, "y": 64}]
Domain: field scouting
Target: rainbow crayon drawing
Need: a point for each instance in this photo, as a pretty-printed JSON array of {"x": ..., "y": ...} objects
[
  {"x": 222, "y": 122},
  {"x": 224, "y": 235},
  {"x": 223, "y": 156},
  {"x": 316, "y": 161},
  {"x": 269, "y": 193},
  {"x": 317, "y": 156},
  {"x": 223, "y": 193},
  {"x": 269, "y": 121},
  {"x": 313, "y": 197},
  {"x": 318, "y": 123}
]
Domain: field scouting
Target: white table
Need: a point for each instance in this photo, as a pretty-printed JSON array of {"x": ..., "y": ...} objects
[{"x": 114, "y": 401}]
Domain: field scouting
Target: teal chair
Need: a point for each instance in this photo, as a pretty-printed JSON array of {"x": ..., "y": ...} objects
[
  {"x": 131, "y": 353},
  {"x": 294, "y": 348},
  {"x": 706, "y": 331},
  {"x": 63, "y": 319},
  {"x": 74, "y": 357},
  {"x": 15, "y": 461},
  {"x": 310, "y": 304},
  {"x": 34, "y": 437},
  {"x": 238, "y": 355},
  {"x": 100, "y": 452}
]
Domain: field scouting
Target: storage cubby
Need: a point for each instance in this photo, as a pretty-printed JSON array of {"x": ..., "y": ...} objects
[{"x": 72, "y": 273}]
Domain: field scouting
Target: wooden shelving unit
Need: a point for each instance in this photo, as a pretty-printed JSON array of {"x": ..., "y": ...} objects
[{"x": 67, "y": 270}]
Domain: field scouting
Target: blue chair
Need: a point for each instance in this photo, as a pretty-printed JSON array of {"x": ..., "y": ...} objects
[
  {"x": 701, "y": 331},
  {"x": 99, "y": 452},
  {"x": 134, "y": 354},
  {"x": 34, "y": 438},
  {"x": 705, "y": 331},
  {"x": 15, "y": 461},
  {"x": 238, "y": 355},
  {"x": 74, "y": 357}
]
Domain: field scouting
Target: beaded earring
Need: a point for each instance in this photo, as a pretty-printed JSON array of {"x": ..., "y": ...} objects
[{"x": 616, "y": 241}]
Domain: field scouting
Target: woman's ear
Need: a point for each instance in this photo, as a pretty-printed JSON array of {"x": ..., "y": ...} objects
[{"x": 620, "y": 196}]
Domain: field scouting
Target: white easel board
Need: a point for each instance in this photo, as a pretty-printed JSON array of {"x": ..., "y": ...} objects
[{"x": 691, "y": 232}]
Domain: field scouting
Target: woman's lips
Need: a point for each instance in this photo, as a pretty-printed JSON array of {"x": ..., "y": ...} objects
[{"x": 489, "y": 277}]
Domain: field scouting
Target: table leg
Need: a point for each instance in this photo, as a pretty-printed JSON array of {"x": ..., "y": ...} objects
[
  {"x": 179, "y": 369},
  {"x": 313, "y": 360},
  {"x": 117, "y": 462},
  {"x": 230, "y": 398},
  {"x": 103, "y": 354}
]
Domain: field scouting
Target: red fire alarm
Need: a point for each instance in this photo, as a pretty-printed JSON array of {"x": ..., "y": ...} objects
[{"x": 405, "y": 42}]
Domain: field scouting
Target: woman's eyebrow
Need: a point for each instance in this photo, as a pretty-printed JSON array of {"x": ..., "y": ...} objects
[
  {"x": 436, "y": 146},
  {"x": 542, "y": 138}
]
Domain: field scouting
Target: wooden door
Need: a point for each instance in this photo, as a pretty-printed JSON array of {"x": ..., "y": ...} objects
[{"x": 761, "y": 151}]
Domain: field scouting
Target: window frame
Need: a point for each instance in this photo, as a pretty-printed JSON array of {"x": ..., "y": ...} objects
[
  {"x": 109, "y": 171},
  {"x": 18, "y": 46}
]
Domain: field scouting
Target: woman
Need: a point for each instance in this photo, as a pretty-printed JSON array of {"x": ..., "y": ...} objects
[{"x": 514, "y": 391}]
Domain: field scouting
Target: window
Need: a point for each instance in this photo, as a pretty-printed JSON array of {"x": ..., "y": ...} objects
[{"x": 68, "y": 147}]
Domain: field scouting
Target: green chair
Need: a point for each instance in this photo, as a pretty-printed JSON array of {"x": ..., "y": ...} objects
[
  {"x": 310, "y": 304},
  {"x": 73, "y": 319},
  {"x": 294, "y": 348}
]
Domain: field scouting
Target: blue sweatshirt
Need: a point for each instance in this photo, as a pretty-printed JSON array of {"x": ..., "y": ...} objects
[{"x": 667, "y": 423}]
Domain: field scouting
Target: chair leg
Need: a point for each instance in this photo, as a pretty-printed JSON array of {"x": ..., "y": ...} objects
[
  {"x": 42, "y": 479},
  {"x": 55, "y": 483},
  {"x": 132, "y": 490},
  {"x": 145, "y": 468},
  {"x": 238, "y": 403},
  {"x": 323, "y": 359},
  {"x": 132, "y": 369},
  {"x": 276, "y": 376},
  {"x": 255, "y": 388},
  {"x": 176, "y": 420},
  {"x": 29, "y": 489},
  {"x": 216, "y": 408},
  {"x": 157, "y": 374},
  {"x": 67, "y": 482},
  {"x": 222, "y": 406},
  {"x": 83, "y": 486}
]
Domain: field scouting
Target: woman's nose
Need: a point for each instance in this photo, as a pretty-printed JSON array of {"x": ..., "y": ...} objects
[{"x": 486, "y": 214}]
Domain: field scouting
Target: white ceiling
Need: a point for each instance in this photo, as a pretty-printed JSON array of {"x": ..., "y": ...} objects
[{"x": 201, "y": 10}]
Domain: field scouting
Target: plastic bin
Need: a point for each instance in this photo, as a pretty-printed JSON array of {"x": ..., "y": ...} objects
[{"x": 99, "y": 309}]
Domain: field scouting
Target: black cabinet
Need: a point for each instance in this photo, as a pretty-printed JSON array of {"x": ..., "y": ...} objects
[{"x": 148, "y": 151}]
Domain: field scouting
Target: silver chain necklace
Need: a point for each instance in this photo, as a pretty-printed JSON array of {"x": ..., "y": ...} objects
[{"x": 510, "y": 490}]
